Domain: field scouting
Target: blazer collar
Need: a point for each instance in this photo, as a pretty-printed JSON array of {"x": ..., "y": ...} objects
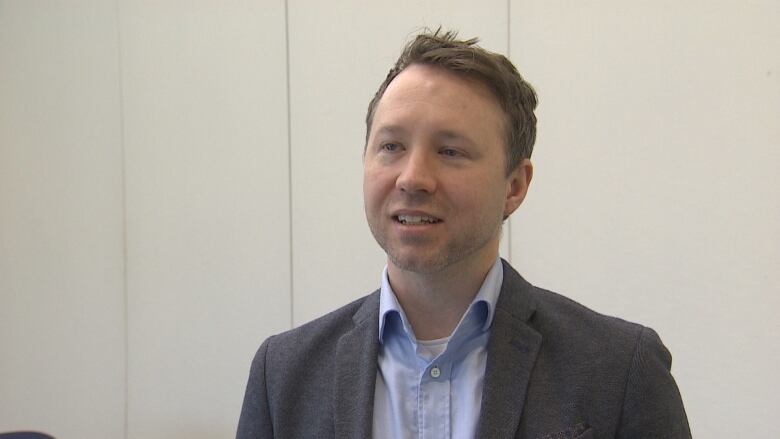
[
  {"x": 356, "y": 364},
  {"x": 512, "y": 351}
]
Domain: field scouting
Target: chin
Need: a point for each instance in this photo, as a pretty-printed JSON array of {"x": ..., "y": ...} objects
[{"x": 417, "y": 264}]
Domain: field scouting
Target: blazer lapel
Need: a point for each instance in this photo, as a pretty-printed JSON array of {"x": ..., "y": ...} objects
[
  {"x": 512, "y": 351},
  {"x": 356, "y": 364}
]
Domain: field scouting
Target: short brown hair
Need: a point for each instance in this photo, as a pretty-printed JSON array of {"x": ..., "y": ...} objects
[{"x": 464, "y": 57}]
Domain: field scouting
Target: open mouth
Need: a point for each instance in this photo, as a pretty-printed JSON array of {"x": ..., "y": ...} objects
[{"x": 414, "y": 220}]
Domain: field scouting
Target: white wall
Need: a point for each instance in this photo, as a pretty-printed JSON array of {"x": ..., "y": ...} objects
[
  {"x": 62, "y": 333},
  {"x": 207, "y": 177},
  {"x": 179, "y": 180}
]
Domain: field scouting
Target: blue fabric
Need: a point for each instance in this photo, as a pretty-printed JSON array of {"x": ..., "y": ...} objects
[{"x": 432, "y": 389}]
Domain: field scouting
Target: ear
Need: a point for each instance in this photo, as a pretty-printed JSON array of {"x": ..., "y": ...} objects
[{"x": 517, "y": 184}]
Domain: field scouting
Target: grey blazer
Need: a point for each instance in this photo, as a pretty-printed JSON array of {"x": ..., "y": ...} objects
[{"x": 555, "y": 370}]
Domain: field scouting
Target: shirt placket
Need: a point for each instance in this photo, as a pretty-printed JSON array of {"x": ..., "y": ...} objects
[{"x": 433, "y": 402}]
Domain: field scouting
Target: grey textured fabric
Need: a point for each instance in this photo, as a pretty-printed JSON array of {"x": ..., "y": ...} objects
[{"x": 555, "y": 370}]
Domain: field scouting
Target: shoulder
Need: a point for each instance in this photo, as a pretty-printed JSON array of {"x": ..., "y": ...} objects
[
  {"x": 319, "y": 336},
  {"x": 613, "y": 373},
  {"x": 292, "y": 374},
  {"x": 560, "y": 319},
  {"x": 584, "y": 335},
  {"x": 558, "y": 315},
  {"x": 574, "y": 336}
]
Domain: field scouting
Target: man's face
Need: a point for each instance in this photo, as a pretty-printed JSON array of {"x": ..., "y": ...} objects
[{"x": 434, "y": 183}]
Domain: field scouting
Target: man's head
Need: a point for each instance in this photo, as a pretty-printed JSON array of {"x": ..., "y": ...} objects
[
  {"x": 464, "y": 58},
  {"x": 437, "y": 183}
]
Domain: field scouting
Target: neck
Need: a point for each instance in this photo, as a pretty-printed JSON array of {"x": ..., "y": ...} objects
[{"x": 434, "y": 303}]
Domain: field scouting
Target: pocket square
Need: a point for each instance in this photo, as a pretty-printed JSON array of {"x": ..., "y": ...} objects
[{"x": 573, "y": 432}]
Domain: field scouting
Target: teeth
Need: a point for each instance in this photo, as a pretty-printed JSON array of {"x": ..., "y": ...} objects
[{"x": 410, "y": 219}]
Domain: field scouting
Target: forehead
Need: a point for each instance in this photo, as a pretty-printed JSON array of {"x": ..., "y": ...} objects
[{"x": 442, "y": 97}]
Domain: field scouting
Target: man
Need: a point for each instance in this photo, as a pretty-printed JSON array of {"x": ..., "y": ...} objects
[{"x": 455, "y": 343}]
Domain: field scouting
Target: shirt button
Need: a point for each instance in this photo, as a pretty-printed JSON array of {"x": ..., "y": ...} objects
[{"x": 435, "y": 372}]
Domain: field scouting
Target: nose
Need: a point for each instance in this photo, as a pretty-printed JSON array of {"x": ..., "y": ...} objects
[{"x": 417, "y": 173}]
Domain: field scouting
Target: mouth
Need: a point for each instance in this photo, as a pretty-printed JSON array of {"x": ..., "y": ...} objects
[{"x": 416, "y": 220}]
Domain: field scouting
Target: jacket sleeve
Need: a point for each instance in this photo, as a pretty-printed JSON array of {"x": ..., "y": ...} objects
[
  {"x": 255, "y": 421},
  {"x": 652, "y": 406}
]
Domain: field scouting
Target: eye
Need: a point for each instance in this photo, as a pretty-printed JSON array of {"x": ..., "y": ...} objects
[
  {"x": 450, "y": 152},
  {"x": 390, "y": 147}
]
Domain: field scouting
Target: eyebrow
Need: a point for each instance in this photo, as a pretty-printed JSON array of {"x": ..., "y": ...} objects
[
  {"x": 391, "y": 130},
  {"x": 445, "y": 135},
  {"x": 452, "y": 135}
]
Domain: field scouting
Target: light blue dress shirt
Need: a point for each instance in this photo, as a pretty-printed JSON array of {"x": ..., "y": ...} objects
[{"x": 432, "y": 389}]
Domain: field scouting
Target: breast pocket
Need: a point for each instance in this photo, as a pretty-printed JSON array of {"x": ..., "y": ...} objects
[
  {"x": 579, "y": 431},
  {"x": 587, "y": 434}
]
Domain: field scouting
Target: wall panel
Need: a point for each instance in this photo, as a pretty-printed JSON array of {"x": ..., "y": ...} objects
[
  {"x": 62, "y": 359},
  {"x": 339, "y": 54},
  {"x": 207, "y": 207},
  {"x": 655, "y": 195}
]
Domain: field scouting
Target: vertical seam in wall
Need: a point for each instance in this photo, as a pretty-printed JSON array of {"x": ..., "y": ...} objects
[
  {"x": 124, "y": 216},
  {"x": 289, "y": 157},
  {"x": 509, "y": 55},
  {"x": 508, "y": 28}
]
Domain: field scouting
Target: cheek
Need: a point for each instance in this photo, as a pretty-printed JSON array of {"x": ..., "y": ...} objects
[
  {"x": 484, "y": 197},
  {"x": 473, "y": 189},
  {"x": 374, "y": 189}
]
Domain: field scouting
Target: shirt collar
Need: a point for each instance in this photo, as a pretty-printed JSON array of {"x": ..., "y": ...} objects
[{"x": 488, "y": 294}]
